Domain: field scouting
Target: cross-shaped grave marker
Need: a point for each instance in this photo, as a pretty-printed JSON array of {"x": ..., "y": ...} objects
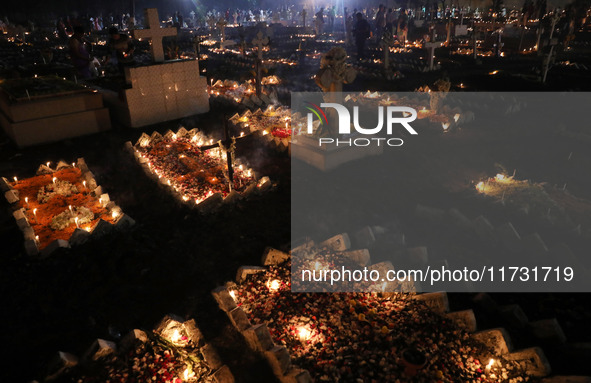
[
  {"x": 154, "y": 33},
  {"x": 431, "y": 48},
  {"x": 259, "y": 41},
  {"x": 226, "y": 144},
  {"x": 386, "y": 42},
  {"x": 221, "y": 25}
]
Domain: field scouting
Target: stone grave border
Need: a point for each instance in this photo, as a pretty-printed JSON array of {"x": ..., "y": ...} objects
[{"x": 79, "y": 236}]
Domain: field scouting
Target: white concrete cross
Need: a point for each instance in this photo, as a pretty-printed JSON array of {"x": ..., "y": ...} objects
[
  {"x": 385, "y": 43},
  {"x": 431, "y": 48},
  {"x": 221, "y": 24},
  {"x": 154, "y": 33},
  {"x": 259, "y": 41}
]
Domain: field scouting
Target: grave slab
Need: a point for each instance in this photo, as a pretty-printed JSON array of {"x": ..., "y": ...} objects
[
  {"x": 279, "y": 360},
  {"x": 327, "y": 158},
  {"x": 465, "y": 319},
  {"x": 533, "y": 360},
  {"x": 514, "y": 315},
  {"x": 497, "y": 339},
  {"x": 547, "y": 331},
  {"x": 339, "y": 242},
  {"x": 437, "y": 301},
  {"x": 259, "y": 337},
  {"x": 224, "y": 299},
  {"x": 52, "y": 119},
  {"x": 239, "y": 319},
  {"x": 274, "y": 257},
  {"x": 211, "y": 356},
  {"x": 99, "y": 349}
]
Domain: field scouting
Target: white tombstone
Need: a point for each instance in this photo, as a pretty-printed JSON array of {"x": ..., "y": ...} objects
[{"x": 431, "y": 48}]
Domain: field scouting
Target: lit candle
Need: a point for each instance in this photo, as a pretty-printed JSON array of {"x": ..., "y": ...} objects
[
  {"x": 71, "y": 211},
  {"x": 37, "y": 238},
  {"x": 304, "y": 333},
  {"x": 48, "y": 164},
  {"x": 35, "y": 214},
  {"x": 273, "y": 285},
  {"x": 54, "y": 179},
  {"x": 76, "y": 221},
  {"x": 15, "y": 180},
  {"x": 84, "y": 184},
  {"x": 27, "y": 201}
]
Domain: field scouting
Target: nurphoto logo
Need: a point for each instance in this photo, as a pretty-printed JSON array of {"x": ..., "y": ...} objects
[{"x": 389, "y": 117}]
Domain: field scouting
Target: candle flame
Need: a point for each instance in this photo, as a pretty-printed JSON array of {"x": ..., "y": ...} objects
[
  {"x": 491, "y": 362},
  {"x": 456, "y": 117},
  {"x": 480, "y": 186},
  {"x": 176, "y": 336},
  {"x": 232, "y": 294},
  {"x": 54, "y": 179},
  {"x": 304, "y": 333},
  {"x": 15, "y": 179},
  {"x": 273, "y": 285}
]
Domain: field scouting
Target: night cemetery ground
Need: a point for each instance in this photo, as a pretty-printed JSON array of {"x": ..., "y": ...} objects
[{"x": 174, "y": 256}]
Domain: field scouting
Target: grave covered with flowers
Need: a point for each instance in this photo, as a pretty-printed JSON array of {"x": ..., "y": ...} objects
[
  {"x": 196, "y": 169},
  {"x": 273, "y": 124},
  {"x": 61, "y": 206},
  {"x": 174, "y": 352},
  {"x": 354, "y": 337}
]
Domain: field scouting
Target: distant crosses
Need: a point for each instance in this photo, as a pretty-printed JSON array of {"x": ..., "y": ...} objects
[
  {"x": 221, "y": 25},
  {"x": 385, "y": 43},
  {"x": 499, "y": 43},
  {"x": 474, "y": 40},
  {"x": 304, "y": 13},
  {"x": 197, "y": 46},
  {"x": 211, "y": 22},
  {"x": 450, "y": 25},
  {"x": 242, "y": 41},
  {"x": 553, "y": 42},
  {"x": 154, "y": 33},
  {"x": 259, "y": 41}
]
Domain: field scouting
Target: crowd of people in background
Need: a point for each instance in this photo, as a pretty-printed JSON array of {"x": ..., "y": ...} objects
[{"x": 359, "y": 26}]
